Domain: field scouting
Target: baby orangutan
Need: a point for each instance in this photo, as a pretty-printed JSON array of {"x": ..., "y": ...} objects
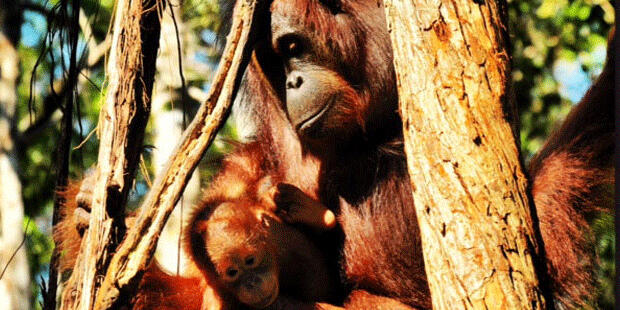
[
  {"x": 241, "y": 238},
  {"x": 246, "y": 248}
]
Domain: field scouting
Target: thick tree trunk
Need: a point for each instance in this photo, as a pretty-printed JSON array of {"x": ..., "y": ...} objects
[
  {"x": 122, "y": 121},
  {"x": 14, "y": 273},
  {"x": 468, "y": 183}
]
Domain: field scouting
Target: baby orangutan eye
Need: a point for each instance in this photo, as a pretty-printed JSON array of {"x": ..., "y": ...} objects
[
  {"x": 250, "y": 261},
  {"x": 231, "y": 273}
]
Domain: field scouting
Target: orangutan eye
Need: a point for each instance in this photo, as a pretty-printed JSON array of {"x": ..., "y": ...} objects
[
  {"x": 250, "y": 261},
  {"x": 290, "y": 46},
  {"x": 232, "y": 273},
  {"x": 334, "y": 6}
]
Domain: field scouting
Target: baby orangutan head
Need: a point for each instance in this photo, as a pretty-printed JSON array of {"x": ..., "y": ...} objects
[{"x": 240, "y": 246}]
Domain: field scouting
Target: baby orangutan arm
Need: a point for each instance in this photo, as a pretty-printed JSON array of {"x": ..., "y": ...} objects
[{"x": 294, "y": 206}]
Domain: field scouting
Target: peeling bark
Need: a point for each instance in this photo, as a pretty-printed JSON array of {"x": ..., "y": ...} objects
[
  {"x": 122, "y": 121},
  {"x": 467, "y": 180}
]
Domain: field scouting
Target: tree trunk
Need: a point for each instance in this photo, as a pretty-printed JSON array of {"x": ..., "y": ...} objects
[
  {"x": 468, "y": 184},
  {"x": 14, "y": 272},
  {"x": 122, "y": 121}
]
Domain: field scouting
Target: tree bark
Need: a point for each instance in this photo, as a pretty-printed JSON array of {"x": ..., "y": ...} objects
[
  {"x": 468, "y": 184},
  {"x": 122, "y": 121},
  {"x": 14, "y": 273}
]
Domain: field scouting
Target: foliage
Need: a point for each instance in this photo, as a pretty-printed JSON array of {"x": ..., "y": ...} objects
[
  {"x": 558, "y": 46},
  {"x": 604, "y": 229}
]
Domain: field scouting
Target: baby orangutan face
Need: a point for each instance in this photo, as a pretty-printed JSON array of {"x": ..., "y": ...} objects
[{"x": 239, "y": 244}]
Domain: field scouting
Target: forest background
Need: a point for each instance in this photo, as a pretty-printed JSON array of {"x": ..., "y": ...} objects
[{"x": 557, "y": 46}]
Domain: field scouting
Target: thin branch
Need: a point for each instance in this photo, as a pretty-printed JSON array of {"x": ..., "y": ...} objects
[
  {"x": 64, "y": 144},
  {"x": 50, "y": 105},
  {"x": 35, "y": 7},
  {"x": 90, "y": 134},
  {"x": 59, "y": 89},
  {"x": 95, "y": 51},
  {"x": 180, "y": 59},
  {"x": 21, "y": 244}
]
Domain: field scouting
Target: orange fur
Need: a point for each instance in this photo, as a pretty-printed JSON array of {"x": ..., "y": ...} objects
[
  {"x": 569, "y": 176},
  {"x": 159, "y": 290},
  {"x": 247, "y": 179},
  {"x": 65, "y": 233},
  {"x": 367, "y": 171},
  {"x": 363, "y": 300}
]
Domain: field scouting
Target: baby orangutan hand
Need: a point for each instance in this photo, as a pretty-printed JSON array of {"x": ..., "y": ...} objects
[{"x": 294, "y": 206}]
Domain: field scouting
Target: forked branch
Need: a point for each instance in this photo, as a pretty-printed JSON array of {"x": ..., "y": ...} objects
[{"x": 135, "y": 252}]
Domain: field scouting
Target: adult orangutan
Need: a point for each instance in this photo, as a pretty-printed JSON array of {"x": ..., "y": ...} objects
[{"x": 323, "y": 72}]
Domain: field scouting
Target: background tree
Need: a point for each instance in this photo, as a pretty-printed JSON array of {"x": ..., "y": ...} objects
[{"x": 14, "y": 278}]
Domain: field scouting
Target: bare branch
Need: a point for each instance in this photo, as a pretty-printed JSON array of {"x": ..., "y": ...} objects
[
  {"x": 95, "y": 51},
  {"x": 50, "y": 105}
]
